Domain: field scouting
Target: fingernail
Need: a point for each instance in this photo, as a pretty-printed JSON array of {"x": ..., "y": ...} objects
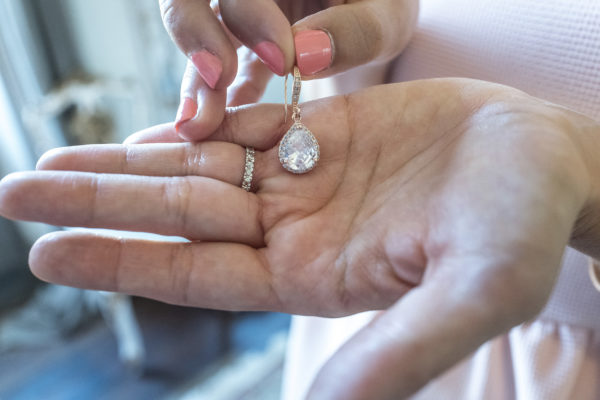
[
  {"x": 187, "y": 110},
  {"x": 209, "y": 67},
  {"x": 271, "y": 55},
  {"x": 313, "y": 51}
]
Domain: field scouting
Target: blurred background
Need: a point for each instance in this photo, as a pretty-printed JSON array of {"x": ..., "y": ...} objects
[{"x": 94, "y": 71}]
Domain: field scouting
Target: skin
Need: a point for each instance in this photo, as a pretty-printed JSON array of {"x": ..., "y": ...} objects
[
  {"x": 362, "y": 31},
  {"x": 446, "y": 203}
]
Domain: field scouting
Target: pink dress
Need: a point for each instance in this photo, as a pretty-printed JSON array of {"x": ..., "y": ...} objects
[{"x": 550, "y": 49}]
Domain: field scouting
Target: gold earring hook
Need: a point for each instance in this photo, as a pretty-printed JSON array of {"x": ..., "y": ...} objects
[
  {"x": 296, "y": 95},
  {"x": 297, "y": 86},
  {"x": 285, "y": 98}
]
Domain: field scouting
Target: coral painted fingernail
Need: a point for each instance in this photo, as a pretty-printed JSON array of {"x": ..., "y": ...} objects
[
  {"x": 209, "y": 67},
  {"x": 187, "y": 110},
  {"x": 313, "y": 51},
  {"x": 271, "y": 55}
]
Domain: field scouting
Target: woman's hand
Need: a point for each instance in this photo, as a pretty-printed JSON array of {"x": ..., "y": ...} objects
[
  {"x": 447, "y": 203},
  {"x": 330, "y": 37}
]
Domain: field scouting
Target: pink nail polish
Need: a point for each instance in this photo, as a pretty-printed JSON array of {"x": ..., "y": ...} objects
[
  {"x": 209, "y": 67},
  {"x": 271, "y": 55},
  {"x": 313, "y": 51},
  {"x": 187, "y": 110}
]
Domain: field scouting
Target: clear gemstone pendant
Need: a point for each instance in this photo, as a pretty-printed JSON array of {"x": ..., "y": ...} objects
[{"x": 299, "y": 149}]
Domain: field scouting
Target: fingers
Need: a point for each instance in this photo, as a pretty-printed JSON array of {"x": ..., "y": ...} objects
[
  {"x": 196, "y": 30},
  {"x": 271, "y": 41},
  {"x": 213, "y": 63},
  {"x": 193, "y": 207},
  {"x": 430, "y": 329},
  {"x": 216, "y": 160},
  {"x": 201, "y": 108},
  {"x": 210, "y": 275},
  {"x": 345, "y": 36}
]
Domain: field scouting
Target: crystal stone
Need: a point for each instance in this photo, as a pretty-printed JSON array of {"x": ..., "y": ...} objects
[{"x": 299, "y": 149}]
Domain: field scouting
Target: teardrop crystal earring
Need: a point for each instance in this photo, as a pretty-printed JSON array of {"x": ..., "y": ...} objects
[{"x": 299, "y": 150}]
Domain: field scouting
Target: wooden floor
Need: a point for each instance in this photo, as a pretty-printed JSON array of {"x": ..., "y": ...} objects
[{"x": 180, "y": 343}]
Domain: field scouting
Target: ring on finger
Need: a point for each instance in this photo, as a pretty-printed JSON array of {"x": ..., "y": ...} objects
[{"x": 248, "y": 169}]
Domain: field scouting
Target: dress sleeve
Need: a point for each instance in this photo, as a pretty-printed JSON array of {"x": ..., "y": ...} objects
[{"x": 594, "y": 270}]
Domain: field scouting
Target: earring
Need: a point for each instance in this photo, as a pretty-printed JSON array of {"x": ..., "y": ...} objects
[{"x": 299, "y": 150}]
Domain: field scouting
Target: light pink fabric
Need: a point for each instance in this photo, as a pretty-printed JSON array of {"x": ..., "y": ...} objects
[{"x": 550, "y": 49}]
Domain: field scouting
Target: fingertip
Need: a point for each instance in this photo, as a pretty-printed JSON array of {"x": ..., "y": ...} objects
[
  {"x": 43, "y": 255},
  {"x": 187, "y": 110},
  {"x": 45, "y": 160},
  {"x": 211, "y": 111},
  {"x": 197, "y": 31},
  {"x": 132, "y": 139},
  {"x": 272, "y": 42},
  {"x": 272, "y": 56},
  {"x": 5, "y": 199},
  {"x": 348, "y": 35},
  {"x": 49, "y": 159},
  {"x": 164, "y": 133},
  {"x": 314, "y": 51},
  {"x": 13, "y": 193},
  {"x": 64, "y": 257},
  {"x": 209, "y": 66}
]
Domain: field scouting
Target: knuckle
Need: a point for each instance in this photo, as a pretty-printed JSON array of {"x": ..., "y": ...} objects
[
  {"x": 516, "y": 295},
  {"x": 191, "y": 158},
  {"x": 245, "y": 94},
  {"x": 128, "y": 156},
  {"x": 180, "y": 273},
  {"x": 117, "y": 276},
  {"x": 92, "y": 213},
  {"x": 176, "y": 196},
  {"x": 369, "y": 43},
  {"x": 231, "y": 124}
]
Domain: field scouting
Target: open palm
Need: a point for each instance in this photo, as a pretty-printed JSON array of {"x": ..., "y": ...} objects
[{"x": 446, "y": 202}]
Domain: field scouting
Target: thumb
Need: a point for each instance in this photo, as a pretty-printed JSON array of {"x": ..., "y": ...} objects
[
  {"x": 426, "y": 332},
  {"x": 346, "y": 36}
]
